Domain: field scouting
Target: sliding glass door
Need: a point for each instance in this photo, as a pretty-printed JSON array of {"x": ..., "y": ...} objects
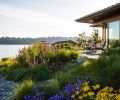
[{"x": 114, "y": 33}]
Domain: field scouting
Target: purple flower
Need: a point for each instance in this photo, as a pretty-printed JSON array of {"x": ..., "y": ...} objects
[
  {"x": 34, "y": 98},
  {"x": 36, "y": 88},
  {"x": 43, "y": 93},
  {"x": 25, "y": 97},
  {"x": 65, "y": 95},
  {"x": 79, "y": 82},
  {"x": 37, "y": 95}
]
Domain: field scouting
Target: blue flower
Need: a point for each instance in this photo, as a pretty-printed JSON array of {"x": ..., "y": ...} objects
[
  {"x": 43, "y": 93},
  {"x": 34, "y": 98},
  {"x": 37, "y": 95},
  {"x": 36, "y": 88},
  {"x": 79, "y": 82},
  {"x": 25, "y": 97}
]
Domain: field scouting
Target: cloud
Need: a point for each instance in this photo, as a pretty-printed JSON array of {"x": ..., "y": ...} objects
[
  {"x": 34, "y": 20},
  {"x": 31, "y": 16}
]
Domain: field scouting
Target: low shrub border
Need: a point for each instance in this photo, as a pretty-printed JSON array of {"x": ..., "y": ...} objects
[{"x": 78, "y": 91}]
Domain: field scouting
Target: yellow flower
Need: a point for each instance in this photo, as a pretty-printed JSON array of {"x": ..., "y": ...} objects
[
  {"x": 91, "y": 93},
  {"x": 108, "y": 89},
  {"x": 77, "y": 92},
  {"x": 85, "y": 83},
  {"x": 119, "y": 91},
  {"x": 118, "y": 97},
  {"x": 111, "y": 95},
  {"x": 85, "y": 95},
  {"x": 95, "y": 87},
  {"x": 80, "y": 97},
  {"x": 73, "y": 96},
  {"x": 86, "y": 88},
  {"x": 101, "y": 94}
]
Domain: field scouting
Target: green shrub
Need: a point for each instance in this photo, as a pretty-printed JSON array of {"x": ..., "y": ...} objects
[
  {"x": 65, "y": 78},
  {"x": 39, "y": 73},
  {"x": 34, "y": 54},
  {"x": 43, "y": 53},
  {"x": 3, "y": 71},
  {"x": 112, "y": 51},
  {"x": 114, "y": 72},
  {"x": 103, "y": 61},
  {"x": 50, "y": 87},
  {"x": 105, "y": 70},
  {"x": 74, "y": 55},
  {"x": 5, "y": 59},
  {"x": 63, "y": 56},
  {"x": 67, "y": 55},
  {"x": 51, "y": 56},
  {"x": 114, "y": 43},
  {"x": 8, "y": 62},
  {"x": 53, "y": 61},
  {"x": 25, "y": 88},
  {"x": 66, "y": 45},
  {"x": 60, "y": 58}
]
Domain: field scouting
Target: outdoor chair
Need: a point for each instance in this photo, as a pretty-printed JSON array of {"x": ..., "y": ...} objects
[
  {"x": 101, "y": 47},
  {"x": 91, "y": 47}
]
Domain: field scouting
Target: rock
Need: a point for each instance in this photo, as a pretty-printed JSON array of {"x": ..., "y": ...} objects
[
  {"x": 6, "y": 88},
  {"x": 82, "y": 59}
]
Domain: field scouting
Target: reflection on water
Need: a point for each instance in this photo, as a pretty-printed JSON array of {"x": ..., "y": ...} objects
[{"x": 10, "y": 50}]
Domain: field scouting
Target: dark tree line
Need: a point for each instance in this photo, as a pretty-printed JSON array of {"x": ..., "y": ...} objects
[{"x": 13, "y": 40}]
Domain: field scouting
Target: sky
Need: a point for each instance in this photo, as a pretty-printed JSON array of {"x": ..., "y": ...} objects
[{"x": 47, "y": 18}]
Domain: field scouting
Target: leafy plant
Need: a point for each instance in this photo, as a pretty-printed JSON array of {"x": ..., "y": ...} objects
[
  {"x": 39, "y": 73},
  {"x": 25, "y": 88},
  {"x": 45, "y": 53},
  {"x": 77, "y": 91},
  {"x": 8, "y": 62}
]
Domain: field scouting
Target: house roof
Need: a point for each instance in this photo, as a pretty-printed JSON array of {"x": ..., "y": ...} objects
[{"x": 101, "y": 15}]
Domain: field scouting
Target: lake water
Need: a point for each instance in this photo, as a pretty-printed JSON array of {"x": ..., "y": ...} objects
[{"x": 10, "y": 50}]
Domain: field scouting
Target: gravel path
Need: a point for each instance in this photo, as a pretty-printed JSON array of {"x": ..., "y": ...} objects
[{"x": 6, "y": 88}]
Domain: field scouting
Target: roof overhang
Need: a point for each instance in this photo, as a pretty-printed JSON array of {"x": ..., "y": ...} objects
[{"x": 97, "y": 19}]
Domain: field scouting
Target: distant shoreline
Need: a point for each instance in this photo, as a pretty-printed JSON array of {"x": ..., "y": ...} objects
[{"x": 27, "y": 41}]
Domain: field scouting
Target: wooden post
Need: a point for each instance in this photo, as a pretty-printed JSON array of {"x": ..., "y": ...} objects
[
  {"x": 107, "y": 39},
  {"x": 103, "y": 33}
]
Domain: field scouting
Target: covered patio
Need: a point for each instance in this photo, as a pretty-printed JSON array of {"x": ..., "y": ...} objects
[{"x": 108, "y": 19}]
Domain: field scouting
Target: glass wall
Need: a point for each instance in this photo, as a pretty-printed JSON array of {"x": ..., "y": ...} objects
[{"x": 114, "y": 33}]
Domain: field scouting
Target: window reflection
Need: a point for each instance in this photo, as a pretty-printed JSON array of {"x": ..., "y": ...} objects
[{"x": 114, "y": 31}]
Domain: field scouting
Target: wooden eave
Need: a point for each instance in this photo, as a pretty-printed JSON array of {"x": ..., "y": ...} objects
[{"x": 97, "y": 19}]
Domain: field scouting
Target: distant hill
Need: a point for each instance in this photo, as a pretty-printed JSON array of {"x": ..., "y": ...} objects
[{"x": 13, "y": 40}]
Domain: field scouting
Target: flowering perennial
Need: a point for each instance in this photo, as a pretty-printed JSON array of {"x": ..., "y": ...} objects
[{"x": 80, "y": 91}]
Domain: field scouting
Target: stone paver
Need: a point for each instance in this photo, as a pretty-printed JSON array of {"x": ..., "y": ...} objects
[{"x": 90, "y": 55}]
